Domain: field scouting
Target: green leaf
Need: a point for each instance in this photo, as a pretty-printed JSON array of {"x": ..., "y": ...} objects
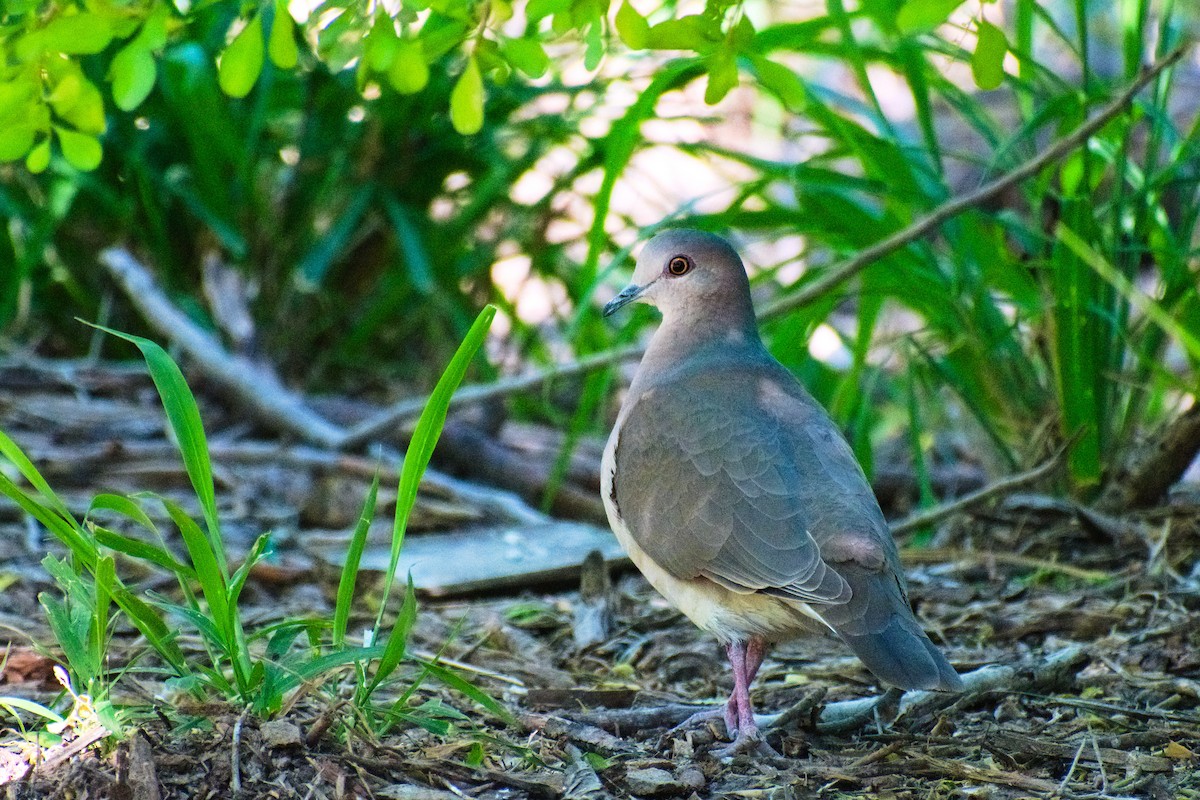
[
  {"x": 78, "y": 34},
  {"x": 632, "y": 27},
  {"x": 396, "y": 646},
  {"x": 38, "y": 158},
  {"x": 13, "y": 704},
  {"x": 160, "y": 637},
  {"x": 425, "y": 435},
  {"x": 132, "y": 74},
  {"x": 741, "y": 36},
  {"x": 143, "y": 551},
  {"x": 538, "y": 10},
  {"x": 527, "y": 55},
  {"x": 686, "y": 33},
  {"x": 105, "y": 580},
  {"x": 184, "y": 418},
  {"x": 16, "y": 141},
  {"x": 918, "y": 16},
  {"x": 781, "y": 82},
  {"x": 154, "y": 30},
  {"x": 358, "y": 542},
  {"x": 722, "y": 76},
  {"x": 455, "y": 681},
  {"x": 83, "y": 152},
  {"x": 380, "y": 47},
  {"x": 242, "y": 61},
  {"x": 209, "y": 568},
  {"x": 466, "y": 100},
  {"x": 79, "y": 102},
  {"x": 595, "y": 45},
  {"x": 12, "y": 451},
  {"x": 282, "y": 45},
  {"x": 409, "y": 73},
  {"x": 124, "y": 506},
  {"x": 64, "y": 527},
  {"x": 987, "y": 63}
]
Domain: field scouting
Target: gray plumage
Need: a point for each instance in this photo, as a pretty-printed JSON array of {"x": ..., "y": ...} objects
[{"x": 723, "y": 469}]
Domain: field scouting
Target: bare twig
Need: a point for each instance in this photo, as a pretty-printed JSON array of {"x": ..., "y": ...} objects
[
  {"x": 477, "y": 393},
  {"x": 235, "y": 756},
  {"x": 1052, "y": 671},
  {"x": 986, "y": 679},
  {"x": 499, "y": 502},
  {"x": 1001, "y": 487},
  {"x": 947, "y": 555}
]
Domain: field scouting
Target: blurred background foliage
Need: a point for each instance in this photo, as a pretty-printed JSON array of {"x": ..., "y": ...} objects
[{"x": 375, "y": 172}]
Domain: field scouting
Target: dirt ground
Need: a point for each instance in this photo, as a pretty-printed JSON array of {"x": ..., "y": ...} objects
[{"x": 1099, "y": 699}]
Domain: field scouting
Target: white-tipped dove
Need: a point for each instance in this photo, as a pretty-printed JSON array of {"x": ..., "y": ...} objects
[{"x": 736, "y": 495}]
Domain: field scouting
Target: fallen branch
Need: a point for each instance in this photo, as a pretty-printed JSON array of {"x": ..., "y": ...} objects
[
  {"x": 593, "y": 738},
  {"x": 844, "y": 716},
  {"x": 503, "y": 504},
  {"x": 479, "y": 392},
  {"x": 253, "y": 386}
]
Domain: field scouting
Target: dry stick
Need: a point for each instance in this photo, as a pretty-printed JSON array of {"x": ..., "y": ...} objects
[
  {"x": 479, "y": 392},
  {"x": 832, "y": 276},
  {"x": 1003, "y": 486},
  {"x": 848, "y": 714},
  {"x": 949, "y": 555},
  {"x": 257, "y": 388},
  {"x": 845, "y": 715}
]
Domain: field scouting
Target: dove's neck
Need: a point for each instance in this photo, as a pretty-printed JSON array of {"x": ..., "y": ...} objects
[{"x": 686, "y": 342}]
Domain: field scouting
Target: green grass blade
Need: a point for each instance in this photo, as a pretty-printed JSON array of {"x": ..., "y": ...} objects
[
  {"x": 226, "y": 628},
  {"x": 238, "y": 580},
  {"x": 66, "y": 529},
  {"x": 424, "y": 438},
  {"x": 10, "y": 450},
  {"x": 151, "y": 625},
  {"x": 1111, "y": 275},
  {"x": 301, "y": 670},
  {"x": 349, "y": 578},
  {"x": 106, "y": 579},
  {"x": 396, "y": 646},
  {"x": 184, "y": 418},
  {"x": 143, "y": 551},
  {"x": 124, "y": 506},
  {"x": 460, "y": 684},
  {"x": 15, "y": 704}
]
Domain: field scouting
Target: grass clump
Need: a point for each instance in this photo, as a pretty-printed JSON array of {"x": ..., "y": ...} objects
[{"x": 255, "y": 668}]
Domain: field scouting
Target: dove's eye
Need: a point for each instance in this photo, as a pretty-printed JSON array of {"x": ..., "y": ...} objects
[{"x": 679, "y": 265}]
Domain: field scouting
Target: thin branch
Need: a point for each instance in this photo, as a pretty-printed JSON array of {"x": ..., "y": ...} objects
[
  {"x": 1053, "y": 671},
  {"x": 479, "y": 392},
  {"x": 834, "y": 275},
  {"x": 947, "y": 555},
  {"x": 930, "y": 516}
]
